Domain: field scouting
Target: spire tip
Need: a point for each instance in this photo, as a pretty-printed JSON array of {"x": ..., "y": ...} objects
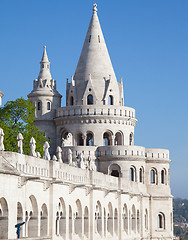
[{"x": 94, "y": 8}]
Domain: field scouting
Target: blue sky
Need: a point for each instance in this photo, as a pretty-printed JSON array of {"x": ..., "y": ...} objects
[{"x": 148, "y": 44}]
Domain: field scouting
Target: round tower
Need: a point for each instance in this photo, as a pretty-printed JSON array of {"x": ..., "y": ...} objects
[
  {"x": 46, "y": 99},
  {"x": 95, "y": 114}
]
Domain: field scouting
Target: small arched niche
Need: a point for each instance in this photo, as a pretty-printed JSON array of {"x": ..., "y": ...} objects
[{"x": 115, "y": 170}]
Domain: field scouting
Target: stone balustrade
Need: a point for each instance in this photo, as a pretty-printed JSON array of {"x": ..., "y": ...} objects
[{"x": 93, "y": 110}]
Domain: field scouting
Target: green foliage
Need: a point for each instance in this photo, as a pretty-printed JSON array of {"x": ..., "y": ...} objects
[{"x": 18, "y": 117}]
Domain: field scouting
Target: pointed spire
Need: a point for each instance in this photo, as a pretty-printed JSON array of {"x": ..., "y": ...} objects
[
  {"x": 44, "y": 56},
  {"x": 45, "y": 67}
]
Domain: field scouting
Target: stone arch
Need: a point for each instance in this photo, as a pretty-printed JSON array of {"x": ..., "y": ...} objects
[
  {"x": 70, "y": 222},
  {"x": 161, "y": 221},
  {"x": 163, "y": 176},
  {"x": 119, "y": 138},
  {"x": 33, "y": 218},
  {"x": 79, "y": 139},
  {"x": 116, "y": 221},
  {"x": 138, "y": 221},
  {"x": 107, "y": 138},
  {"x": 78, "y": 218},
  {"x": 98, "y": 218},
  {"x": 62, "y": 217},
  {"x": 141, "y": 175},
  {"x": 44, "y": 221},
  {"x": 86, "y": 222},
  {"x": 110, "y": 219},
  {"x": 4, "y": 212},
  {"x": 110, "y": 100},
  {"x": 131, "y": 139},
  {"x": 19, "y": 216},
  {"x": 133, "y": 218},
  {"x": 132, "y": 174},
  {"x": 125, "y": 219},
  {"x": 153, "y": 176},
  {"x": 89, "y": 139},
  {"x": 62, "y": 134},
  {"x": 114, "y": 170},
  {"x": 90, "y": 99}
]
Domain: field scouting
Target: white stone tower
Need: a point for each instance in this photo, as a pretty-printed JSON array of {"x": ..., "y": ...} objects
[{"x": 46, "y": 99}]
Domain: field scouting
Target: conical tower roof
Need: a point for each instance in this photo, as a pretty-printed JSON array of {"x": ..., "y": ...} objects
[
  {"x": 45, "y": 67},
  {"x": 94, "y": 58}
]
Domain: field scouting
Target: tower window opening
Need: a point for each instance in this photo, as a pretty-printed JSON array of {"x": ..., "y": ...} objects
[
  {"x": 89, "y": 139},
  {"x": 141, "y": 173},
  {"x": 90, "y": 99},
  {"x": 163, "y": 176},
  {"x": 110, "y": 100},
  {"x": 153, "y": 176},
  {"x": 106, "y": 139},
  {"x": 161, "y": 221},
  {"x": 39, "y": 105},
  {"x": 48, "y": 106},
  {"x": 132, "y": 174},
  {"x": 71, "y": 101},
  {"x": 99, "y": 38},
  {"x": 80, "y": 140},
  {"x": 131, "y": 139},
  {"x": 90, "y": 38}
]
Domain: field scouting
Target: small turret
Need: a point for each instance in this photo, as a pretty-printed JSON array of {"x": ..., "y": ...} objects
[{"x": 46, "y": 99}]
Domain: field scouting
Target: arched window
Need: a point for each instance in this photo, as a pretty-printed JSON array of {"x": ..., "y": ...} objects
[
  {"x": 161, "y": 221},
  {"x": 106, "y": 139},
  {"x": 71, "y": 101},
  {"x": 89, "y": 99},
  {"x": 48, "y": 106},
  {"x": 153, "y": 176},
  {"x": 131, "y": 139},
  {"x": 132, "y": 174},
  {"x": 110, "y": 100},
  {"x": 133, "y": 216},
  {"x": 39, "y": 105},
  {"x": 141, "y": 175},
  {"x": 80, "y": 140},
  {"x": 89, "y": 139},
  {"x": 115, "y": 170},
  {"x": 146, "y": 219},
  {"x": 125, "y": 218},
  {"x": 118, "y": 138},
  {"x": 163, "y": 175}
]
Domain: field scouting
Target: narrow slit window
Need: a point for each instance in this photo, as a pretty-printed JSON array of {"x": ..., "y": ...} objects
[{"x": 99, "y": 38}]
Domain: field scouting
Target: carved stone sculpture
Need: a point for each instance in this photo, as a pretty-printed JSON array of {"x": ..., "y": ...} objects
[
  {"x": 59, "y": 154},
  {"x": 20, "y": 143},
  {"x": 32, "y": 145},
  {"x": 70, "y": 156},
  {"x": 46, "y": 154},
  {"x": 67, "y": 141},
  {"x": 2, "y": 148}
]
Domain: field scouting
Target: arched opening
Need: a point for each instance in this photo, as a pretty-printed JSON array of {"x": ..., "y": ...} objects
[
  {"x": 141, "y": 175},
  {"x": 110, "y": 100},
  {"x": 161, "y": 221},
  {"x": 138, "y": 221},
  {"x": 118, "y": 138},
  {"x": 163, "y": 176},
  {"x": 3, "y": 219},
  {"x": 33, "y": 220},
  {"x": 98, "y": 218},
  {"x": 90, "y": 99},
  {"x": 125, "y": 219},
  {"x": 71, "y": 100},
  {"x": 62, "y": 218},
  {"x": 44, "y": 221},
  {"x": 39, "y": 106},
  {"x": 70, "y": 222},
  {"x": 78, "y": 219},
  {"x": 115, "y": 170},
  {"x": 110, "y": 219},
  {"x": 132, "y": 174},
  {"x": 116, "y": 221},
  {"x": 19, "y": 216},
  {"x": 131, "y": 139},
  {"x": 89, "y": 139},
  {"x": 48, "y": 105},
  {"x": 80, "y": 139},
  {"x": 133, "y": 216},
  {"x": 153, "y": 176},
  {"x": 86, "y": 222},
  {"x": 146, "y": 219},
  {"x": 107, "y": 139}
]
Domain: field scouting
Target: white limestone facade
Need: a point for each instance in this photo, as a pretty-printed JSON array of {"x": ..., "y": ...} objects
[{"x": 97, "y": 184}]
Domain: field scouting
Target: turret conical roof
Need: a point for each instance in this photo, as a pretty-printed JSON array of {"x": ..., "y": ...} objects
[{"x": 94, "y": 58}]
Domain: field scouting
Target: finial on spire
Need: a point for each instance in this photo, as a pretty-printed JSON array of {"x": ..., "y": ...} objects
[
  {"x": 44, "y": 56},
  {"x": 94, "y": 8}
]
